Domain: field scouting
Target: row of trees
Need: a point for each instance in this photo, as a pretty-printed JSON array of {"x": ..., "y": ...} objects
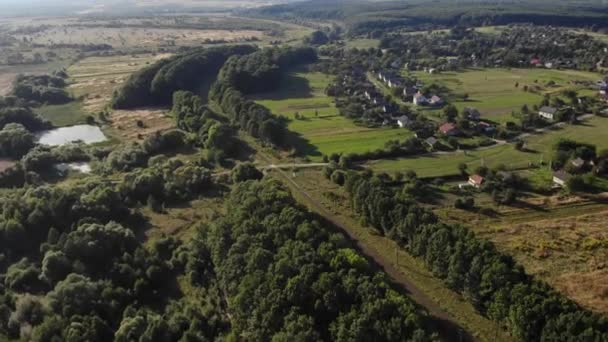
[
  {"x": 257, "y": 72},
  {"x": 491, "y": 281},
  {"x": 155, "y": 85}
]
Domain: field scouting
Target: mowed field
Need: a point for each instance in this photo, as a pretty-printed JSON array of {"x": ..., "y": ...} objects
[
  {"x": 321, "y": 130},
  {"x": 493, "y": 91}
]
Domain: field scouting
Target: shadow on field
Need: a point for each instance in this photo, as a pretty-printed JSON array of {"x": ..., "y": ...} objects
[
  {"x": 292, "y": 87},
  {"x": 302, "y": 146}
]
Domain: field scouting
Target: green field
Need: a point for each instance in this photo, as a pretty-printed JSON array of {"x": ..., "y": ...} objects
[
  {"x": 493, "y": 91},
  {"x": 68, "y": 114},
  {"x": 447, "y": 164},
  {"x": 362, "y": 43},
  {"x": 539, "y": 147},
  {"x": 591, "y": 131},
  {"x": 327, "y": 133}
]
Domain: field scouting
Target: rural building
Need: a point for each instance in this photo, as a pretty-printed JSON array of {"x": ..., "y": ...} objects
[
  {"x": 409, "y": 91},
  {"x": 578, "y": 163},
  {"x": 547, "y": 112},
  {"x": 536, "y": 62},
  {"x": 486, "y": 127},
  {"x": 560, "y": 178},
  {"x": 431, "y": 142},
  {"x": 436, "y": 101},
  {"x": 476, "y": 180},
  {"x": 472, "y": 113},
  {"x": 403, "y": 121},
  {"x": 449, "y": 129},
  {"x": 420, "y": 100}
]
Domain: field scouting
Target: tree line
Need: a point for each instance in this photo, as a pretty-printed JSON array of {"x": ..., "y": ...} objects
[
  {"x": 494, "y": 283},
  {"x": 257, "y": 72},
  {"x": 155, "y": 84}
]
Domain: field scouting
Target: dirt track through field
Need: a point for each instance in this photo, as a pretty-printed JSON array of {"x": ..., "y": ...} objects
[{"x": 445, "y": 324}]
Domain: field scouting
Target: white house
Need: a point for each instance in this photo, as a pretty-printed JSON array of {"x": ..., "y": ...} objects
[{"x": 547, "y": 113}]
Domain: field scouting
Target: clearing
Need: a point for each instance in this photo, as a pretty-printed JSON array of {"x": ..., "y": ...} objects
[
  {"x": 493, "y": 91},
  {"x": 94, "y": 79},
  {"x": 135, "y": 125},
  {"x": 321, "y": 129}
]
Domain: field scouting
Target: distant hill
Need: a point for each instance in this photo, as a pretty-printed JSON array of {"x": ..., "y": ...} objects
[
  {"x": 363, "y": 15},
  {"x": 9, "y": 8}
]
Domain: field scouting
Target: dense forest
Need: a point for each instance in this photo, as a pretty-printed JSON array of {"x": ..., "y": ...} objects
[
  {"x": 268, "y": 270},
  {"x": 499, "y": 288},
  {"x": 363, "y": 17},
  {"x": 155, "y": 84}
]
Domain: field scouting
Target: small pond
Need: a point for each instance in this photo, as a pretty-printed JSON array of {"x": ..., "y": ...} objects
[{"x": 60, "y": 136}]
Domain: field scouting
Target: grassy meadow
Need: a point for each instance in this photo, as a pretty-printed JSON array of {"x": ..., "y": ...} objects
[
  {"x": 321, "y": 130},
  {"x": 493, "y": 91}
]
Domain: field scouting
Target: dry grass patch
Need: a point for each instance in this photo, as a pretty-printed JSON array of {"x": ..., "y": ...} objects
[
  {"x": 95, "y": 78},
  {"x": 6, "y": 83},
  {"x": 136, "y": 125},
  {"x": 6, "y": 164},
  {"x": 560, "y": 251}
]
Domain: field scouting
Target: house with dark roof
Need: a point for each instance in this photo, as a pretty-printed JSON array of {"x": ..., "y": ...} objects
[
  {"x": 409, "y": 91},
  {"x": 449, "y": 129},
  {"x": 560, "y": 178},
  {"x": 403, "y": 121},
  {"x": 547, "y": 113},
  {"x": 472, "y": 113},
  {"x": 436, "y": 101},
  {"x": 578, "y": 162}
]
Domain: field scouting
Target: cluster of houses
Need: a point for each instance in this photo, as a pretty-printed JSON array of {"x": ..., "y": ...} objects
[
  {"x": 450, "y": 129},
  {"x": 420, "y": 100},
  {"x": 356, "y": 84}
]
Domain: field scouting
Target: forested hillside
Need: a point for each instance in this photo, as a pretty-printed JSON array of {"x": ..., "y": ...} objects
[{"x": 365, "y": 16}]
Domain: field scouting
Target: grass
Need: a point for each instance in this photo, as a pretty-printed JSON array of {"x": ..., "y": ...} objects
[
  {"x": 68, "y": 114},
  {"x": 493, "y": 91},
  {"x": 362, "y": 43},
  {"x": 591, "y": 131},
  {"x": 447, "y": 164},
  {"x": 304, "y": 93},
  {"x": 560, "y": 239},
  {"x": 94, "y": 79}
]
